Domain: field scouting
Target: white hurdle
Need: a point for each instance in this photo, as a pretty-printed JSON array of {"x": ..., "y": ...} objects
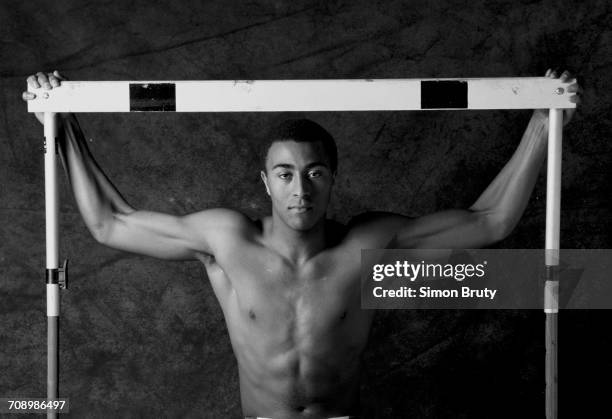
[
  {"x": 52, "y": 258},
  {"x": 306, "y": 95},
  {"x": 552, "y": 246}
]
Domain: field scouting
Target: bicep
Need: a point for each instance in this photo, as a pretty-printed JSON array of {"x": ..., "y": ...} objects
[{"x": 167, "y": 236}]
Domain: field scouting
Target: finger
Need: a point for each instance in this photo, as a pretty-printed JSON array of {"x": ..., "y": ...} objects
[
  {"x": 28, "y": 95},
  {"x": 553, "y": 74},
  {"x": 575, "y": 99},
  {"x": 43, "y": 80},
  {"x": 547, "y": 73},
  {"x": 574, "y": 88},
  {"x": 54, "y": 81},
  {"x": 33, "y": 82},
  {"x": 58, "y": 75},
  {"x": 565, "y": 76}
]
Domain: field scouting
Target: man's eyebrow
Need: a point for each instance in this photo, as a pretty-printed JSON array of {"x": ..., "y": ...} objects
[
  {"x": 283, "y": 166},
  {"x": 290, "y": 166},
  {"x": 316, "y": 163}
]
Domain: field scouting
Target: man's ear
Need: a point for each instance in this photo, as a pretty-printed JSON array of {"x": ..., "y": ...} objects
[{"x": 265, "y": 181}]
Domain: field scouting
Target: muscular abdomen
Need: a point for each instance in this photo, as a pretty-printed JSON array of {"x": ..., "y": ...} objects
[{"x": 298, "y": 343}]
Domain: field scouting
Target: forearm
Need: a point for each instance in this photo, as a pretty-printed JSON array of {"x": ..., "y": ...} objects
[
  {"x": 505, "y": 199},
  {"x": 97, "y": 199}
]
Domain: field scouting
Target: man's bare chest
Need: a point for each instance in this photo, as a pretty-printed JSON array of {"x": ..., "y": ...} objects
[
  {"x": 264, "y": 288},
  {"x": 263, "y": 272}
]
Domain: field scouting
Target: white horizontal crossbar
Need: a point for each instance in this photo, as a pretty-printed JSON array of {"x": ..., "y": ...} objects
[{"x": 303, "y": 95}]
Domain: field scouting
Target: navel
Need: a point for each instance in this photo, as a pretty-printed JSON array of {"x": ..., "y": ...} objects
[
  {"x": 252, "y": 314},
  {"x": 343, "y": 315}
]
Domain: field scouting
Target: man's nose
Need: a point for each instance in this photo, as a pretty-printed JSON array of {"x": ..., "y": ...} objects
[{"x": 301, "y": 186}]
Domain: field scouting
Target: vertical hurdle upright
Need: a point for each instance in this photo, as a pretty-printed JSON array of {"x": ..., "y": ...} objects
[
  {"x": 553, "y": 229},
  {"x": 52, "y": 255},
  {"x": 307, "y": 95}
]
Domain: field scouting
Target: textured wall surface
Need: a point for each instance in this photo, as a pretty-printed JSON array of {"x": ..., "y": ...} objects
[{"x": 146, "y": 338}]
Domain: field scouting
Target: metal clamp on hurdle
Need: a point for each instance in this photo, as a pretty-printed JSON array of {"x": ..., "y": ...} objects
[
  {"x": 58, "y": 276},
  {"x": 313, "y": 95}
]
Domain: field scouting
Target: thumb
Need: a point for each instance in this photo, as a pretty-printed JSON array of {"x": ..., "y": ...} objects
[{"x": 58, "y": 75}]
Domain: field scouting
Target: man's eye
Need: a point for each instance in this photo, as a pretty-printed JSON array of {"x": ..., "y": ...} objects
[
  {"x": 315, "y": 174},
  {"x": 284, "y": 175}
]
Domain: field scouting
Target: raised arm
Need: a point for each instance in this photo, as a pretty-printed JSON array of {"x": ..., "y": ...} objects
[
  {"x": 498, "y": 209},
  {"x": 115, "y": 223}
]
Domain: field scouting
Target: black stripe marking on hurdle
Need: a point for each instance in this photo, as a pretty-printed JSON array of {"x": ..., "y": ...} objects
[
  {"x": 152, "y": 97},
  {"x": 444, "y": 94},
  {"x": 52, "y": 276}
]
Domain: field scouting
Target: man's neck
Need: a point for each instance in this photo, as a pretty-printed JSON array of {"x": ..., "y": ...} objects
[{"x": 295, "y": 245}]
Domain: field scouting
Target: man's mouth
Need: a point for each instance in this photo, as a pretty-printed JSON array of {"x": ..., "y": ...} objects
[{"x": 300, "y": 208}]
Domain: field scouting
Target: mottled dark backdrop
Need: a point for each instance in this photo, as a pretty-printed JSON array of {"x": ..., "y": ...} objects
[{"x": 146, "y": 338}]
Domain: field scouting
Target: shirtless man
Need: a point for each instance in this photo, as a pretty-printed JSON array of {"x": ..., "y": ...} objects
[{"x": 289, "y": 284}]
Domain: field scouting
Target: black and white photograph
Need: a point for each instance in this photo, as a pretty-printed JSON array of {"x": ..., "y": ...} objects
[{"x": 231, "y": 209}]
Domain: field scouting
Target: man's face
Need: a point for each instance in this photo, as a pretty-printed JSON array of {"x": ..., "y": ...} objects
[{"x": 299, "y": 181}]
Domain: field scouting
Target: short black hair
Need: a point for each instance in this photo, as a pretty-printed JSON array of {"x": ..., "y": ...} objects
[{"x": 302, "y": 131}]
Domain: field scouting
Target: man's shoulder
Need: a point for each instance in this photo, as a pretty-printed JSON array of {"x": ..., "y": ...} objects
[
  {"x": 223, "y": 221},
  {"x": 375, "y": 228},
  {"x": 377, "y": 219}
]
